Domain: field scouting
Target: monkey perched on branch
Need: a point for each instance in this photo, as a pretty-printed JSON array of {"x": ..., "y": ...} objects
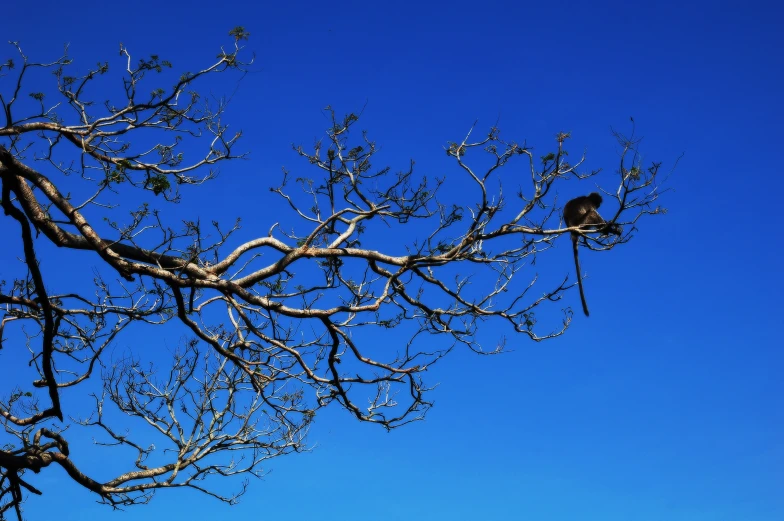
[{"x": 581, "y": 211}]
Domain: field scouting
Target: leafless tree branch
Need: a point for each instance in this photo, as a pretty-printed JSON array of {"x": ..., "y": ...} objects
[{"x": 277, "y": 325}]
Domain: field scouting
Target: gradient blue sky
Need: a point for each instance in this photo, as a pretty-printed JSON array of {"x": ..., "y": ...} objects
[{"x": 667, "y": 402}]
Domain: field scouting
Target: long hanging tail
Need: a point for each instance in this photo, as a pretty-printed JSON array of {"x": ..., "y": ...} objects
[{"x": 575, "y": 238}]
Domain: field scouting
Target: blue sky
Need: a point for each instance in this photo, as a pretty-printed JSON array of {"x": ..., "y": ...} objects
[{"x": 666, "y": 403}]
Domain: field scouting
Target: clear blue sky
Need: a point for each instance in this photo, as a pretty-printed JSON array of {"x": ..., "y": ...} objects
[{"x": 667, "y": 402}]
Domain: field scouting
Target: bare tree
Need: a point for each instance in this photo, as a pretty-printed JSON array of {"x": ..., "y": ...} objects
[{"x": 274, "y": 323}]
